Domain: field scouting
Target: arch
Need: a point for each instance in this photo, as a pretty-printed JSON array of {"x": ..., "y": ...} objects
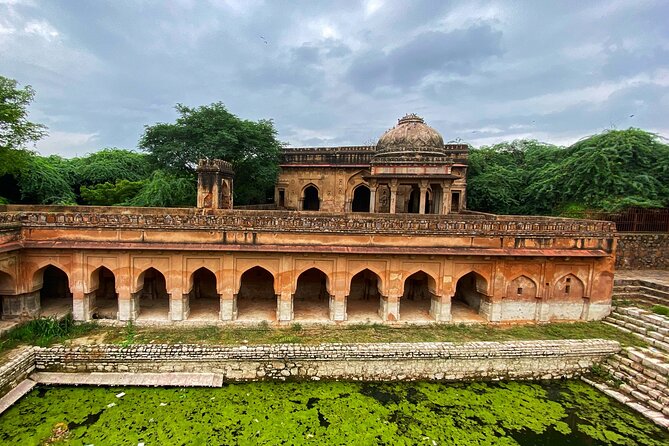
[
  {"x": 38, "y": 273},
  {"x": 311, "y": 200},
  {"x": 380, "y": 274},
  {"x": 569, "y": 287},
  {"x": 413, "y": 204},
  {"x": 154, "y": 301},
  {"x": 311, "y": 300},
  {"x": 203, "y": 298},
  {"x": 364, "y": 297},
  {"x": 139, "y": 283},
  {"x": 520, "y": 300},
  {"x": 256, "y": 297},
  {"x": 102, "y": 287},
  {"x": 471, "y": 290},
  {"x": 55, "y": 294},
  {"x": 361, "y": 197},
  {"x": 419, "y": 292},
  {"x": 7, "y": 283},
  {"x": 271, "y": 270},
  {"x": 522, "y": 287}
]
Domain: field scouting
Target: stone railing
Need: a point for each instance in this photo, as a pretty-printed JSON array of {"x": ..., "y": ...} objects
[{"x": 309, "y": 222}]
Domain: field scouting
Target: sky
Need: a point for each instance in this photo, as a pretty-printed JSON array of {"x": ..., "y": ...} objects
[{"x": 340, "y": 72}]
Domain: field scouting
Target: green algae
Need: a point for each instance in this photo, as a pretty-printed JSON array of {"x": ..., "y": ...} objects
[{"x": 506, "y": 413}]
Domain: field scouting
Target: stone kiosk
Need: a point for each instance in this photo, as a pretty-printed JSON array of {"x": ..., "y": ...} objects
[{"x": 361, "y": 234}]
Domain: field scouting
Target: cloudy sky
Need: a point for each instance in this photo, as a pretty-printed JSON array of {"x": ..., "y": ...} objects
[{"x": 339, "y": 72}]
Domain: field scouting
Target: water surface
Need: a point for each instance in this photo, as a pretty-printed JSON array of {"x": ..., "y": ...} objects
[{"x": 508, "y": 413}]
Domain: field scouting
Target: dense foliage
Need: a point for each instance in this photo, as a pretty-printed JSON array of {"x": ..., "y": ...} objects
[
  {"x": 211, "y": 131},
  {"x": 609, "y": 171}
]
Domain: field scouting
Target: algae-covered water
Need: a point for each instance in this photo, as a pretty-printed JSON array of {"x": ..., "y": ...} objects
[{"x": 417, "y": 413}]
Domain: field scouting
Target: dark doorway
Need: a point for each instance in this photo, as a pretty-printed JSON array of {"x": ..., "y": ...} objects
[
  {"x": 414, "y": 201},
  {"x": 311, "y": 300},
  {"x": 311, "y": 201},
  {"x": 455, "y": 201},
  {"x": 417, "y": 298},
  {"x": 362, "y": 303},
  {"x": 282, "y": 198},
  {"x": 361, "y": 196},
  {"x": 256, "y": 300},
  {"x": 106, "y": 298},
  {"x": 203, "y": 299},
  {"x": 469, "y": 290},
  {"x": 154, "y": 302},
  {"x": 55, "y": 296}
]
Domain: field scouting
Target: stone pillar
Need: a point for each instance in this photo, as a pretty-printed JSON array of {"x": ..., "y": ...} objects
[
  {"x": 491, "y": 309},
  {"x": 543, "y": 307},
  {"x": 389, "y": 308},
  {"x": 26, "y": 305},
  {"x": 393, "y": 196},
  {"x": 372, "y": 197},
  {"x": 440, "y": 308},
  {"x": 82, "y": 305},
  {"x": 423, "y": 197},
  {"x": 337, "y": 308},
  {"x": 128, "y": 305},
  {"x": 446, "y": 198},
  {"x": 228, "y": 310},
  {"x": 179, "y": 306},
  {"x": 284, "y": 308}
]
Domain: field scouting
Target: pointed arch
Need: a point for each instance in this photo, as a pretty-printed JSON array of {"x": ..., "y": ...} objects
[
  {"x": 361, "y": 198},
  {"x": 379, "y": 273},
  {"x": 102, "y": 286},
  {"x": 55, "y": 293},
  {"x": 311, "y": 300},
  {"x": 256, "y": 298},
  {"x": 522, "y": 287},
  {"x": 417, "y": 299},
  {"x": 363, "y": 301},
  {"x": 471, "y": 289},
  {"x": 311, "y": 197},
  {"x": 154, "y": 300},
  {"x": 203, "y": 298},
  {"x": 7, "y": 283},
  {"x": 569, "y": 287},
  {"x": 201, "y": 273}
]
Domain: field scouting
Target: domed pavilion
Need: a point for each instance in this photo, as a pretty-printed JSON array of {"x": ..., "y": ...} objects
[{"x": 409, "y": 170}]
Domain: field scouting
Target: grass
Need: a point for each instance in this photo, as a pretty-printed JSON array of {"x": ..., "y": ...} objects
[
  {"x": 44, "y": 331},
  {"x": 660, "y": 309},
  {"x": 366, "y": 333}
]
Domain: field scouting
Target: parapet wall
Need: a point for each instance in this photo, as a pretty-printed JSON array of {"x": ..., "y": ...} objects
[
  {"x": 367, "y": 362},
  {"x": 642, "y": 250}
]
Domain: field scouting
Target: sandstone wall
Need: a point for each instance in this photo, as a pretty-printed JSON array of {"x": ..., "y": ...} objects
[
  {"x": 16, "y": 369},
  {"x": 642, "y": 250},
  {"x": 401, "y": 361}
]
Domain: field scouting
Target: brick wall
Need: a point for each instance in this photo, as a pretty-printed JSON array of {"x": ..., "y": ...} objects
[
  {"x": 639, "y": 250},
  {"x": 16, "y": 369}
]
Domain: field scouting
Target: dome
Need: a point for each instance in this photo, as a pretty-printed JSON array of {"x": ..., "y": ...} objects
[{"x": 410, "y": 138}]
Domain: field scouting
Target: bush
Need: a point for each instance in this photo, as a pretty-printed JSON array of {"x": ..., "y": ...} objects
[{"x": 660, "y": 309}]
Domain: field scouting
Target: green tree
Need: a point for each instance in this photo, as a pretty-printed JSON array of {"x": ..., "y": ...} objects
[
  {"x": 211, "y": 131},
  {"x": 15, "y": 129},
  {"x": 165, "y": 189},
  {"x": 111, "y": 194},
  {"x": 109, "y": 165},
  {"x": 43, "y": 180}
]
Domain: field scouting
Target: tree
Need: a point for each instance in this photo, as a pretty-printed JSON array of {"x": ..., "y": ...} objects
[
  {"x": 109, "y": 165},
  {"x": 15, "y": 129},
  {"x": 111, "y": 194},
  {"x": 211, "y": 131}
]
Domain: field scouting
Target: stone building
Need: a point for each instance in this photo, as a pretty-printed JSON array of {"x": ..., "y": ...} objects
[
  {"x": 419, "y": 256},
  {"x": 410, "y": 170}
]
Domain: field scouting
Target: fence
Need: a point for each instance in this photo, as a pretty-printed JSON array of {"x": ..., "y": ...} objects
[{"x": 634, "y": 219}]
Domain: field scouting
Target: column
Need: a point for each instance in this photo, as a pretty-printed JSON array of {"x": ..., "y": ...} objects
[
  {"x": 178, "y": 305},
  {"x": 423, "y": 196},
  {"x": 284, "y": 309},
  {"x": 228, "y": 308},
  {"x": 440, "y": 308},
  {"x": 337, "y": 307},
  {"x": 393, "y": 196},
  {"x": 446, "y": 198},
  {"x": 389, "y": 308},
  {"x": 372, "y": 196},
  {"x": 128, "y": 307}
]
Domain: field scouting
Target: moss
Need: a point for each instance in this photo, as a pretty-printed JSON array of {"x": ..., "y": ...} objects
[{"x": 512, "y": 413}]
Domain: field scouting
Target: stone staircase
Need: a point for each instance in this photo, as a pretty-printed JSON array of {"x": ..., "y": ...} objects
[
  {"x": 639, "y": 376},
  {"x": 640, "y": 292}
]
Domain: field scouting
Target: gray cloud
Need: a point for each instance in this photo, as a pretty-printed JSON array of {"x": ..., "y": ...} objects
[{"x": 340, "y": 72}]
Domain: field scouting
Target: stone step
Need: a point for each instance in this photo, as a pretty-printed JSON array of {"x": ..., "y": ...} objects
[
  {"x": 656, "y": 416},
  {"x": 641, "y": 393},
  {"x": 650, "y": 359},
  {"x": 16, "y": 393},
  {"x": 638, "y": 289},
  {"x": 645, "y": 315},
  {"x": 635, "y": 297},
  {"x": 636, "y": 378},
  {"x": 130, "y": 379},
  {"x": 649, "y": 328},
  {"x": 640, "y": 282},
  {"x": 647, "y": 339}
]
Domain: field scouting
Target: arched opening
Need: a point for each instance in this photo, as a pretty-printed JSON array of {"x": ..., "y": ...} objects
[
  {"x": 256, "y": 300},
  {"x": 6, "y": 289},
  {"x": 310, "y": 201},
  {"x": 364, "y": 298},
  {"x": 154, "y": 302},
  {"x": 568, "y": 301},
  {"x": 106, "y": 298},
  {"x": 416, "y": 301},
  {"x": 55, "y": 296},
  {"x": 311, "y": 301},
  {"x": 361, "y": 196},
  {"x": 520, "y": 301},
  {"x": 470, "y": 300},
  {"x": 203, "y": 299},
  {"x": 414, "y": 201}
]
